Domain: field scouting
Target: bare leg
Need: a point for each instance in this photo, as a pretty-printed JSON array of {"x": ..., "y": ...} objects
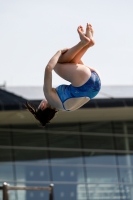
[
  {"x": 67, "y": 67},
  {"x": 72, "y": 52},
  {"x": 79, "y": 55},
  {"x": 89, "y": 34},
  {"x": 75, "y": 54}
]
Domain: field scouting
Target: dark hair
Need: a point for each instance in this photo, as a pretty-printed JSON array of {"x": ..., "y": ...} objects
[{"x": 43, "y": 116}]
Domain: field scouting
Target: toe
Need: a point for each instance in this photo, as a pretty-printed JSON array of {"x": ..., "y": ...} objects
[
  {"x": 82, "y": 29},
  {"x": 88, "y": 26},
  {"x": 78, "y": 28}
]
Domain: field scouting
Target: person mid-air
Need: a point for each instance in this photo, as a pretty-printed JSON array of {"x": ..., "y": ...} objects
[{"x": 85, "y": 81}]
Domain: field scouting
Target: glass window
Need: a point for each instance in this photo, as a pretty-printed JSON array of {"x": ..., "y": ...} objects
[
  {"x": 130, "y": 143},
  {"x": 64, "y": 140},
  {"x": 13, "y": 194},
  {"x": 1, "y": 193},
  {"x": 5, "y": 138},
  {"x": 68, "y": 174},
  {"x": 117, "y": 127},
  {"x": 20, "y": 194},
  {"x": 109, "y": 191},
  {"x": 120, "y": 143},
  {"x": 102, "y": 174},
  {"x": 98, "y": 158},
  {"x": 94, "y": 172},
  {"x": 32, "y": 172},
  {"x": 130, "y": 127},
  {"x": 36, "y": 195},
  {"x": 29, "y": 139},
  {"x": 66, "y": 157},
  {"x": 98, "y": 142},
  {"x": 63, "y": 127},
  {"x": 31, "y": 155},
  {"x": 31, "y": 165},
  {"x": 97, "y": 127},
  {"x": 65, "y": 191},
  {"x": 6, "y": 166},
  {"x": 6, "y": 172},
  {"x": 125, "y": 159},
  {"x": 6, "y": 155},
  {"x": 126, "y": 175},
  {"x": 82, "y": 192}
]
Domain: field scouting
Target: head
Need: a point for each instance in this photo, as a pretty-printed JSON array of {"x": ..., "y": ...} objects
[{"x": 44, "y": 113}]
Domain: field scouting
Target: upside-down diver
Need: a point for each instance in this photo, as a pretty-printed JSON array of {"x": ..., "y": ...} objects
[{"x": 84, "y": 81}]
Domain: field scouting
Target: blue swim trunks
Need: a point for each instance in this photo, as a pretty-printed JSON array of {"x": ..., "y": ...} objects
[{"x": 89, "y": 89}]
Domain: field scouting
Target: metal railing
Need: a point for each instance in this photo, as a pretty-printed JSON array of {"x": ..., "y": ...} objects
[{"x": 6, "y": 187}]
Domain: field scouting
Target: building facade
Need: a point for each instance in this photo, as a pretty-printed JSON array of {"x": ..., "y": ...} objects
[{"x": 86, "y": 154}]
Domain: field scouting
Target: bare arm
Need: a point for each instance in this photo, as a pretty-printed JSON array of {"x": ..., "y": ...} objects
[{"x": 48, "y": 71}]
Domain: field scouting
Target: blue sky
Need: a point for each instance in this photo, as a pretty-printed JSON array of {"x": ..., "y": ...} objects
[{"x": 31, "y": 31}]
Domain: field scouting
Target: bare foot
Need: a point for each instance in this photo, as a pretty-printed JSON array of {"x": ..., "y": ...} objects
[
  {"x": 86, "y": 40},
  {"x": 89, "y": 34}
]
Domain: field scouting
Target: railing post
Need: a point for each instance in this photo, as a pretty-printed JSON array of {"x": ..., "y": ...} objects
[
  {"x": 5, "y": 191},
  {"x": 7, "y": 187},
  {"x": 51, "y": 192}
]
